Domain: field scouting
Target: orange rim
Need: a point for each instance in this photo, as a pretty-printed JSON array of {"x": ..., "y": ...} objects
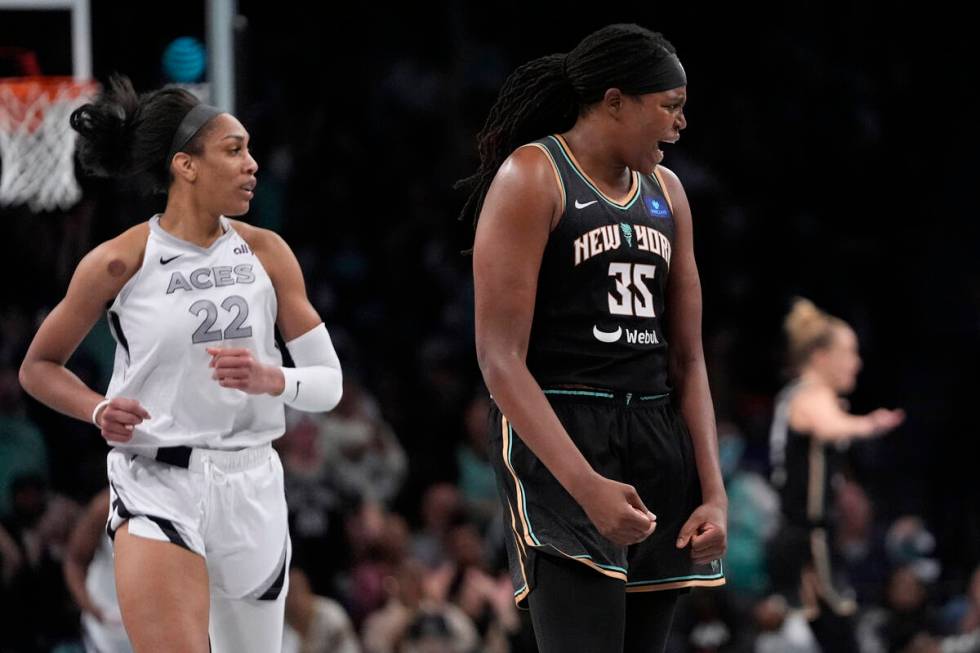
[
  {"x": 24, "y": 87},
  {"x": 35, "y": 94}
]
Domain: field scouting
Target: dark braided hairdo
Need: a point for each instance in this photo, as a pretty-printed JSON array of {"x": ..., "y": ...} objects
[{"x": 546, "y": 95}]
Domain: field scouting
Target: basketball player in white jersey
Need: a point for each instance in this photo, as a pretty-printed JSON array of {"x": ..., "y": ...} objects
[{"x": 198, "y": 513}]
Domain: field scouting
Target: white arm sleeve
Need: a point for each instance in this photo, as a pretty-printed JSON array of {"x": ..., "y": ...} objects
[{"x": 316, "y": 383}]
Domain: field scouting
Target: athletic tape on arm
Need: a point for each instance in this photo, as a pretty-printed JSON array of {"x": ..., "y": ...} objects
[{"x": 316, "y": 383}]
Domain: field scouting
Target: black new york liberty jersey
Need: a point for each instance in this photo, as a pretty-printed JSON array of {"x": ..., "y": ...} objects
[
  {"x": 599, "y": 313},
  {"x": 803, "y": 468}
]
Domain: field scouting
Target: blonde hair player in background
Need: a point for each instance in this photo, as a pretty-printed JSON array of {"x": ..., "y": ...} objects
[{"x": 810, "y": 431}]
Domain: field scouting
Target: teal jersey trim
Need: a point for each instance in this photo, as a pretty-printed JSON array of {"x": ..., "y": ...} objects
[{"x": 602, "y": 196}]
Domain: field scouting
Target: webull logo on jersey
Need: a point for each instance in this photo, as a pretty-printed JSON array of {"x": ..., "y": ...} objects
[
  {"x": 656, "y": 208},
  {"x": 216, "y": 277},
  {"x": 608, "y": 238},
  {"x": 633, "y": 336}
]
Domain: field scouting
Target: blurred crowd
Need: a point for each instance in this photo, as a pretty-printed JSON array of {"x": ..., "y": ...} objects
[{"x": 371, "y": 573}]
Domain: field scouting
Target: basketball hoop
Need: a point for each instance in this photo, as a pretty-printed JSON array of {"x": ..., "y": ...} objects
[{"x": 37, "y": 144}]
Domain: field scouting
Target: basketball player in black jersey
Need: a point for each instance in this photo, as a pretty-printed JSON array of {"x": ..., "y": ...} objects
[
  {"x": 808, "y": 432},
  {"x": 584, "y": 270}
]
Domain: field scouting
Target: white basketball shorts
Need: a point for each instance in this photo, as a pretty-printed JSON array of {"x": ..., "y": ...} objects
[{"x": 226, "y": 506}]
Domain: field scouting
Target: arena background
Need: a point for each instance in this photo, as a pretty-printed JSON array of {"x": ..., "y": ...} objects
[{"x": 830, "y": 153}]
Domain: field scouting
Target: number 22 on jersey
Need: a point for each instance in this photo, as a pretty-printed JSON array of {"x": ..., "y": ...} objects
[{"x": 236, "y": 329}]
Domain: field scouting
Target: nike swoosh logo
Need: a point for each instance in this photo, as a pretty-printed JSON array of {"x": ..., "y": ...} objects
[
  {"x": 164, "y": 261},
  {"x": 297, "y": 390},
  {"x": 582, "y": 205},
  {"x": 612, "y": 336}
]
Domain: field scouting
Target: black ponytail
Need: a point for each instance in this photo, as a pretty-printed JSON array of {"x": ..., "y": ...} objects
[
  {"x": 122, "y": 134},
  {"x": 105, "y": 129},
  {"x": 536, "y": 99}
]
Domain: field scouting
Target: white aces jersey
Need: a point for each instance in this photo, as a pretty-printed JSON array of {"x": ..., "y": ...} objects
[{"x": 183, "y": 300}]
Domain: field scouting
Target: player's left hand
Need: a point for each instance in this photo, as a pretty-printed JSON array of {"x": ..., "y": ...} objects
[
  {"x": 236, "y": 367},
  {"x": 706, "y": 530}
]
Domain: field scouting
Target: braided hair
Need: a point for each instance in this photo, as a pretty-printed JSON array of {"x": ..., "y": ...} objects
[{"x": 547, "y": 95}]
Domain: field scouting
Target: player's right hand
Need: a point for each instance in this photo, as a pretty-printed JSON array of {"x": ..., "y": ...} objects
[
  {"x": 885, "y": 420},
  {"x": 119, "y": 417},
  {"x": 617, "y": 512}
]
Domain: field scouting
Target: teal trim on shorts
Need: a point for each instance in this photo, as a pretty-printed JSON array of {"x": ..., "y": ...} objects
[
  {"x": 527, "y": 515},
  {"x": 627, "y": 397},
  {"x": 581, "y": 393},
  {"x": 610, "y": 567},
  {"x": 660, "y": 581},
  {"x": 521, "y": 590}
]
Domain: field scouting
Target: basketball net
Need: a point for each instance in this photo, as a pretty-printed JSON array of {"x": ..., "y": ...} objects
[{"x": 37, "y": 144}]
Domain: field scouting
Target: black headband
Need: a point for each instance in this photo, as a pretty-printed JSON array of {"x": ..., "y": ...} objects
[
  {"x": 190, "y": 125},
  {"x": 667, "y": 74}
]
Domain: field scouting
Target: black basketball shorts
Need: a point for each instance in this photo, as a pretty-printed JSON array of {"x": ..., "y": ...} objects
[{"x": 630, "y": 438}]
